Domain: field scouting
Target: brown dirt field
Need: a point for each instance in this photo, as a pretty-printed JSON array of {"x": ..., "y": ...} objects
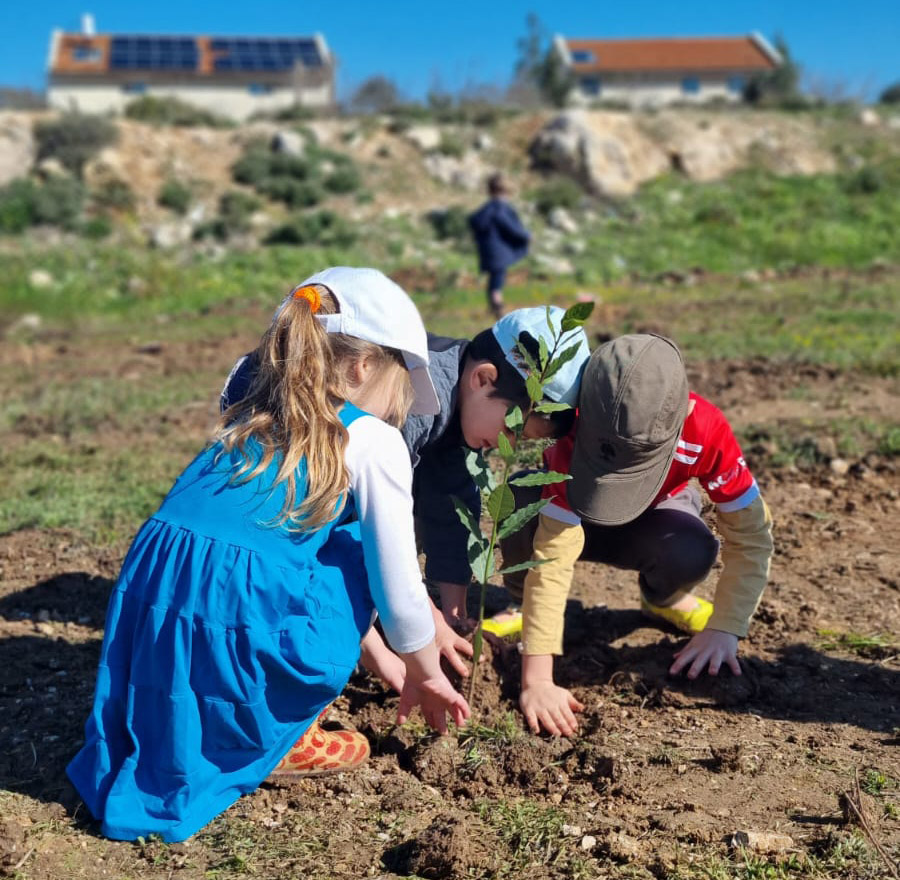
[{"x": 662, "y": 772}]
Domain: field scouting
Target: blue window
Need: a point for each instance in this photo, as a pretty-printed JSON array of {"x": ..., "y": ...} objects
[
  {"x": 591, "y": 85},
  {"x": 735, "y": 84},
  {"x": 259, "y": 89},
  {"x": 690, "y": 85},
  {"x": 582, "y": 56},
  {"x": 134, "y": 88}
]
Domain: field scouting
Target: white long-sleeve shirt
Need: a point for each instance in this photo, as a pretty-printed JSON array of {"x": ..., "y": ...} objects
[{"x": 381, "y": 485}]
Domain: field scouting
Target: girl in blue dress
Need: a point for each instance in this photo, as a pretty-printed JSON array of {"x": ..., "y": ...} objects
[{"x": 239, "y": 611}]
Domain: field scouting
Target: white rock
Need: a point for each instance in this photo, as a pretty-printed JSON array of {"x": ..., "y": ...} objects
[
  {"x": 423, "y": 137},
  {"x": 28, "y": 322},
  {"x": 483, "y": 141},
  {"x": 169, "y": 235},
  {"x": 869, "y": 118},
  {"x": 839, "y": 466},
  {"x": 761, "y": 841},
  {"x": 588, "y": 842},
  {"x": 290, "y": 142},
  {"x": 41, "y": 279},
  {"x": 560, "y": 218},
  {"x": 17, "y": 149},
  {"x": 554, "y": 265},
  {"x": 52, "y": 167}
]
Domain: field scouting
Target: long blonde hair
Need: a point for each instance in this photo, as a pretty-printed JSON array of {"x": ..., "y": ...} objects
[{"x": 304, "y": 377}]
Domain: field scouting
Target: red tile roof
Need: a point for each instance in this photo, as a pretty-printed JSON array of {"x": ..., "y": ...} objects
[{"x": 670, "y": 54}]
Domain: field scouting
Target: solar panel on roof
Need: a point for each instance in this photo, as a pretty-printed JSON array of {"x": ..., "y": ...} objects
[{"x": 153, "y": 53}]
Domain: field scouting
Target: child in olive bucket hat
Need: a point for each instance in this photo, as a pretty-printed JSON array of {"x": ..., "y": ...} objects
[{"x": 641, "y": 436}]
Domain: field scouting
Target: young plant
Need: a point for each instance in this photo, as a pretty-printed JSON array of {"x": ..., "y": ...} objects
[{"x": 505, "y": 519}]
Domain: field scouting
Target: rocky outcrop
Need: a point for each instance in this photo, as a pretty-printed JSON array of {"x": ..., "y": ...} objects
[
  {"x": 17, "y": 148},
  {"x": 612, "y": 154}
]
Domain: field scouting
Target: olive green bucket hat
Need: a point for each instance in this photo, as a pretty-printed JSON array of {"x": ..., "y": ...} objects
[{"x": 632, "y": 406}]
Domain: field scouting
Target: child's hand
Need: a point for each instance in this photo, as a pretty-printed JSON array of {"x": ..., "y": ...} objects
[
  {"x": 451, "y": 644},
  {"x": 436, "y": 697},
  {"x": 713, "y": 647},
  {"x": 547, "y": 705},
  {"x": 377, "y": 657}
]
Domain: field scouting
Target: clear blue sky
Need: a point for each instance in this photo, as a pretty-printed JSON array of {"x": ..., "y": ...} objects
[{"x": 853, "y": 44}]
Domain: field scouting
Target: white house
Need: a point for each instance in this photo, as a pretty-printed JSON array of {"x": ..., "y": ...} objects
[
  {"x": 231, "y": 76},
  {"x": 656, "y": 72}
]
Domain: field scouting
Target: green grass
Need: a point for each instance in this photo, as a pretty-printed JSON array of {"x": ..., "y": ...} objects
[{"x": 874, "y": 647}]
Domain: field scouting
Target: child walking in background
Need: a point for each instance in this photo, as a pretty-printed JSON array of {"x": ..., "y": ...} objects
[
  {"x": 640, "y": 437},
  {"x": 238, "y": 614},
  {"x": 500, "y": 237}
]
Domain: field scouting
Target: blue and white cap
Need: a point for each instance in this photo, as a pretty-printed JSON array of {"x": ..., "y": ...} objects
[
  {"x": 545, "y": 321},
  {"x": 378, "y": 310}
]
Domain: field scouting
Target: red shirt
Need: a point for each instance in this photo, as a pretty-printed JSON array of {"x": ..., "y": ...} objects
[{"x": 707, "y": 451}]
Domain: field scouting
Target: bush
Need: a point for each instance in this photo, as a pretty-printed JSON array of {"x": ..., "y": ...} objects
[
  {"x": 16, "y": 206},
  {"x": 173, "y": 111},
  {"x": 236, "y": 208},
  {"x": 115, "y": 195},
  {"x": 58, "y": 202},
  {"x": 343, "y": 180},
  {"x": 451, "y": 145},
  {"x": 320, "y": 227},
  {"x": 294, "y": 193},
  {"x": 175, "y": 196},
  {"x": 73, "y": 139},
  {"x": 96, "y": 228},
  {"x": 451, "y": 223},
  {"x": 253, "y": 167},
  {"x": 561, "y": 192}
]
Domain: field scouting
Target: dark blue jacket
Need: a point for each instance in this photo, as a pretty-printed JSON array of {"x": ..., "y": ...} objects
[
  {"x": 501, "y": 238},
  {"x": 437, "y": 450}
]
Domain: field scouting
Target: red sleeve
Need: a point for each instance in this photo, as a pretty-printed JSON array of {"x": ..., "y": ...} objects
[
  {"x": 726, "y": 477},
  {"x": 558, "y": 457}
]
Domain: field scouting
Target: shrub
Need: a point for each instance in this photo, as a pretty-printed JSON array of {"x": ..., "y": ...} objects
[
  {"x": 451, "y": 145},
  {"x": 235, "y": 210},
  {"x": 114, "y": 194},
  {"x": 16, "y": 206},
  {"x": 175, "y": 196},
  {"x": 451, "y": 223},
  {"x": 343, "y": 180},
  {"x": 58, "y": 202},
  {"x": 96, "y": 228},
  {"x": 253, "y": 167},
  {"x": 320, "y": 227},
  {"x": 561, "y": 192},
  {"x": 73, "y": 139},
  {"x": 294, "y": 193},
  {"x": 172, "y": 111}
]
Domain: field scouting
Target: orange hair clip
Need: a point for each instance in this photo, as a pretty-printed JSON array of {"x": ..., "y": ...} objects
[{"x": 311, "y": 295}]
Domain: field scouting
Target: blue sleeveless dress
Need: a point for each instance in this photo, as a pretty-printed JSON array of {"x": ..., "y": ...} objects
[{"x": 224, "y": 640}]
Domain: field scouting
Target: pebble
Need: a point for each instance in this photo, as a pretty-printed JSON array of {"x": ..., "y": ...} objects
[
  {"x": 839, "y": 466},
  {"x": 588, "y": 842}
]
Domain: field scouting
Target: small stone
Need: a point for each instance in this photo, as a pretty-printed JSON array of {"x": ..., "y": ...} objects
[
  {"x": 839, "y": 466},
  {"x": 588, "y": 842},
  {"x": 41, "y": 279},
  {"x": 761, "y": 841},
  {"x": 571, "y": 830}
]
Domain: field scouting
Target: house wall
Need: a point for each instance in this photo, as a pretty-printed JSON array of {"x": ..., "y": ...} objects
[
  {"x": 657, "y": 90},
  {"x": 234, "y": 101}
]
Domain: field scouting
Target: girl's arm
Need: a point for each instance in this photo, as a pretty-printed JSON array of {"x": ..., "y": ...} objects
[{"x": 381, "y": 485}]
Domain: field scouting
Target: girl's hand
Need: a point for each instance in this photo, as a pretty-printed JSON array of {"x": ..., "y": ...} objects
[
  {"x": 545, "y": 704},
  {"x": 436, "y": 697},
  {"x": 713, "y": 647},
  {"x": 378, "y": 658}
]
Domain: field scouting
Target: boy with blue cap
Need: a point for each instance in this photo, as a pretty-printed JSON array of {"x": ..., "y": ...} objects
[{"x": 476, "y": 382}]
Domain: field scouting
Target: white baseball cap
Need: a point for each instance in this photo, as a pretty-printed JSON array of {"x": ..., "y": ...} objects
[{"x": 378, "y": 310}]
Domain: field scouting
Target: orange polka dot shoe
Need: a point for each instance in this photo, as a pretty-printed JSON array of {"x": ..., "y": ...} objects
[{"x": 323, "y": 751}]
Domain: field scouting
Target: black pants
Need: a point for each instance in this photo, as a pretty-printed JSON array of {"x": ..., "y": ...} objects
[{"x": 669, "y": 545}]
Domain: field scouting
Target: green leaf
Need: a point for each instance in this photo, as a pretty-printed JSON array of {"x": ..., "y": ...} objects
[
  {"x": 534, "y": 388},
  {"x": 478, "y": 468},
  {"x": 576, "y": 315},
  {"x": 540, "y": 478},
  {"x": 523, "y": 354},
  {"x": 543, "y": 352},
  {"x": 466, "y": 517},
  {"x": 552, "y": 407},
  {"x": 522, "y": 566},
  {"x": 559, "y": 362},
  {"x": 501, "y": 503},
  {"x": 518, "y": 518},
  {"x": 514, "y": 418},
  {"x": 504, "y": 447},
  {"x": 481, "y": 559}
]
